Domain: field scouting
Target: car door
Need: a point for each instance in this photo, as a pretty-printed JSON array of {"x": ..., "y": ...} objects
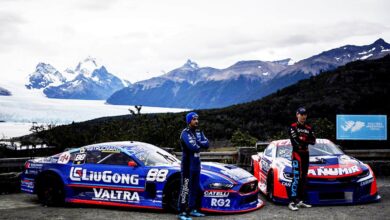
[{"x": 107, "y": 174}]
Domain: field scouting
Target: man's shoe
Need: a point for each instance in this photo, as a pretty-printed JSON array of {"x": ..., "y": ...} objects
[
  {"x": 183, "y": 216},
  {"x": 292, "y": 206},
  {"x": 195, "y": 213},
  {"x": 304, "y": 205}
]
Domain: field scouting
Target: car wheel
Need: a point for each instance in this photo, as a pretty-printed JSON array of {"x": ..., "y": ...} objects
[
  {"x": 270, "y": 186},
  {"x": 50, "y": 190},
  {"x": 171, "y": 195}
]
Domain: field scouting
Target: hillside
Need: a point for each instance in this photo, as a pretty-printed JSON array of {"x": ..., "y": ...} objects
[{"x": 360, "y": 87}]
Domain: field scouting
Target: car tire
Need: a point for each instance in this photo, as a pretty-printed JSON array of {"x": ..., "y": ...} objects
[
  {"x": 50, "y": 190},
  {"x": 270, "y": 186},
  {"x": 171, "y": 195}
]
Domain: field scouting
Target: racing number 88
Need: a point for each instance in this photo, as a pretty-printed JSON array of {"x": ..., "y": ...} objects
[{"x": 157, "y": 175}]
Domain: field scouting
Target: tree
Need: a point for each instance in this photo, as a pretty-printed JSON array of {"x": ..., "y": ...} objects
[{"x": 240, "y": 138}]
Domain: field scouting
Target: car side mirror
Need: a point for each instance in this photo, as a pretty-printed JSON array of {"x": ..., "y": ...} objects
[{"x": 132, "y": 164}]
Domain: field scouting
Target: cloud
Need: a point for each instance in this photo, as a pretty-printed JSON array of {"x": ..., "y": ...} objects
[{"x": 10, "y": 33}]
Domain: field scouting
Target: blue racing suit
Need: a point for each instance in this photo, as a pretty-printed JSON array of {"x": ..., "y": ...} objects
[{"x": 191, "y": 142}]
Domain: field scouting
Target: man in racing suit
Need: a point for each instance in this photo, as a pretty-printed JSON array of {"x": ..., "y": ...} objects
[
  {"x": 191, "y": 141},
  {"x": 301, "y": 135}
]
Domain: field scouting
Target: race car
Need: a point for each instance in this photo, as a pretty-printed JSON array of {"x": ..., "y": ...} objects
[
  {"x": 135, "y": 175},
  {"x": 333, "y": 177}
]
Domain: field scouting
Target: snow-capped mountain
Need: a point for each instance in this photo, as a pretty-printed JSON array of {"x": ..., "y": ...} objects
[
  {"x": 191, "y": 86},
  {"x": 87, "y": 81},
  {"x": 337, "y": 57},
  {"x": 325, "y": 61},
  {"x": 44, "y": 75},
  {"x": 4, "y": 92}
]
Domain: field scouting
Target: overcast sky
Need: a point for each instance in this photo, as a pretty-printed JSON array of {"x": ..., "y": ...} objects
[{"x": 140, "y": 39}]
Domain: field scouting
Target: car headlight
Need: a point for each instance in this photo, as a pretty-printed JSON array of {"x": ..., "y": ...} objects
[
  {"x": 364, "y": 174},
  {"x": 221, "y": 185}
]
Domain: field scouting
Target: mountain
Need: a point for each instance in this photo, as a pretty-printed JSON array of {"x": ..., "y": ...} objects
[
  {"x": 88, "y": 81},
  {"x": 191, "y": 86},
  {"x": 44, "y": 75},
  {"x": 359, "y": 87},
  {"x": 325, "y": 61},
  {"x": 4, "y": 92}
]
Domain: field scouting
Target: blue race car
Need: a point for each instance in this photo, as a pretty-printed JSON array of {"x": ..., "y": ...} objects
[
  {"x": 333, "y": 177},
  {"x": 137, "y": 175}
]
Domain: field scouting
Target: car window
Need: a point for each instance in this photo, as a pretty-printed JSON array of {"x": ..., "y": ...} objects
[
  {"x": 108, "y": 158},
  {"x": 268, "y": 151},
  {"x": 319, "y": 149},
  {"x": 115, "y": 159},
  {"x": 284, "y": 152}
]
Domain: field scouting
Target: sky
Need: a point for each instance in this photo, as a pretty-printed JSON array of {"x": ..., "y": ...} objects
[{"x": 140, "y": 39}]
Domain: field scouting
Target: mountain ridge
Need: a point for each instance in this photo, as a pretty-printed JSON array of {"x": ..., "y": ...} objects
[{"x": 242, "y": 82}]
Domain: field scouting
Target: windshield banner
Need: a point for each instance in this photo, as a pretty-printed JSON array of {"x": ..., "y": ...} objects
[{"x": 361, "y": 127}]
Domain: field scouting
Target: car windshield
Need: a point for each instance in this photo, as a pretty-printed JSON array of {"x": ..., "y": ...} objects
[
  {"x": 151, "y": 157},
  {"x": 319, "y": 149}
]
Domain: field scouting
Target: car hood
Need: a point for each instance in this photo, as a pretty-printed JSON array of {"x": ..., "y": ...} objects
[
  {"x": 335, "y": 166},
  {"x": 226, "y": 170}
]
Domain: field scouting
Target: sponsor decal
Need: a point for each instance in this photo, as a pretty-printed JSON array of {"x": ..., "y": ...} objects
[
  {"x": 191, "y": 139},
  {"x": 198, "y": 135},
  {"x": 35, "y": 165},
  {"x": 31, "y": 172},
  {"x": 28, "y": 184},
  {"x": 306, "y": 131},
  {"x": 220, "y": 202},
  {"x": 157, "y": 175},
  {"x": 336, "y": 171},
  {"x": 184, "y": 191},
  {"x": 264, "y": 166},
  {"x": 216, "y": 194},
  {"x": 115, "y": 195},
  {"x": 64, "y": 158},
  {"x": 79, "y": 174},
  {"x": 106, "y": 149},
  {"x": 294, "y": 184},
  {"x": 79, "y": 159},
  {"x": 288, "y": 184},
  {"x": 367, "y": 182}
]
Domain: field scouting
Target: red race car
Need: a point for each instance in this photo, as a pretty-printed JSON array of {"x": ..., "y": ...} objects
[{"x": 333, "y": 177}]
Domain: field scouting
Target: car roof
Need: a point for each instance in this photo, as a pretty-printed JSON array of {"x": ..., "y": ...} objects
[
  {"x": 287, "y": 142},
  {"x": 130, "y": 146}
]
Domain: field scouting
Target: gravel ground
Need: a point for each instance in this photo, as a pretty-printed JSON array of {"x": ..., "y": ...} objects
[{"x": 24, "y": 206}]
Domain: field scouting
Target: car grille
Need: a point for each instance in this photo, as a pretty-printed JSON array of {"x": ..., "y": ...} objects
[
  {"x": 248, "y": 187},
  {"x": 249, "y": 199}
]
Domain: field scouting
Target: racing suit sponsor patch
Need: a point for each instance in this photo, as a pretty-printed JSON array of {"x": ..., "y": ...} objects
[
  {"x": 184, "y": 191},
  {"x": 294, "y": 184}
]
